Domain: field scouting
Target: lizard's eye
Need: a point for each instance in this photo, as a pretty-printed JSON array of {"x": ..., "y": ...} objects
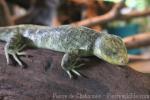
[{"x": 111, "y": 53}]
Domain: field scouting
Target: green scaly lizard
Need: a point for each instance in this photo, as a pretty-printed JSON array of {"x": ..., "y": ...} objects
[{"x": 72, "y": 40}]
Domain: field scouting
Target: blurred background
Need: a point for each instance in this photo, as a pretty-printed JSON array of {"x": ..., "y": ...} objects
[{"x": 129, "y": 19}]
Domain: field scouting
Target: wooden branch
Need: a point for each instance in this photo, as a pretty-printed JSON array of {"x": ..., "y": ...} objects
[
  {"x": 6, "y": 13},
  {"x": 103, "y": 18},
  {"x": 80, "y": 2},
  {"x": 138, "y": 57},
  {"x": 44, "y": 79},
  {"x": 113, "y": 14},
  {"x": 91, "y": 12},
  {"x": 134, "y": 14},
  {"x": 136, "y": 41}
]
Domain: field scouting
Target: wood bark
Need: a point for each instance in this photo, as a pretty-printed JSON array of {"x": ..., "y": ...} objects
[{"x": 44, "y": 79}]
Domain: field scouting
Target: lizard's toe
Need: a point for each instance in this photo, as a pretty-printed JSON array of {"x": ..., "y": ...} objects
[
  {"x": 17, "y": 60},
  {"x": 69, "y": 73},
  {"x": 76, "y": 72}
]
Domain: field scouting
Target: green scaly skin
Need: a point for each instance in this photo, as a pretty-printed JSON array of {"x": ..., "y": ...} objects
[{"x": 72, "y": 40}]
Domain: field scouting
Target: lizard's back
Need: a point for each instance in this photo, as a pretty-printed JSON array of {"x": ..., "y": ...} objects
[{"x": 64, "y": 38}]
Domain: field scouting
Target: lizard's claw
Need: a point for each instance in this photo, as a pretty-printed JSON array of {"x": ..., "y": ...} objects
[
  {"x": 17, "y": 60},
  {"x": 69, "y": 73},
  {"x": 22, "y": 53},
  {"x": 74, "y": 72},
  {"x": 71, "y": 70}
]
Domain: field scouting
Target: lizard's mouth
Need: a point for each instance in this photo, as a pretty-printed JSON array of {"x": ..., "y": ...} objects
[
  {"x": 124, "y": 61},
  {"x": 117, "y": 59}
]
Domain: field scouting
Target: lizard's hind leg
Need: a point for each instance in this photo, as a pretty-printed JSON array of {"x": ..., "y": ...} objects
[{"x": 15, "y": 46}]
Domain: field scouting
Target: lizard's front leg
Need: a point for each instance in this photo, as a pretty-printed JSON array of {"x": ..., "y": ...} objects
[
  {"x": 15, "y": 46},
  {"x": 69, "y": 64}
]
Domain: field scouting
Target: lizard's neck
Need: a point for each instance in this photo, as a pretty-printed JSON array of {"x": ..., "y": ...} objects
[{"x": 96, "y": 49}]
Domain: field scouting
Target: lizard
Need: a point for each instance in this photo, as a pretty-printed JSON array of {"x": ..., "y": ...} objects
[{"x": 73, "y": 41}]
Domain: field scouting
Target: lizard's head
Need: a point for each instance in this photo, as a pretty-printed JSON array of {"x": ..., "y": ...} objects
[{"x": 111, "y": 49}]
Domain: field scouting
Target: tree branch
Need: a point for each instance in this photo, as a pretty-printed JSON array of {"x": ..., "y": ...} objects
[
  {"x": 113, "y": 14},
  {"x": 134, "y": 14},
  {"x": 103, "y": 18},
  {"x": 6, "y": 13},
  {"x": 136, "y": 41},
  {"x": 138, "y": 57}
]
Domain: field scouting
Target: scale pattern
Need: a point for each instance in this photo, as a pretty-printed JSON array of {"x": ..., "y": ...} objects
[{"x": 65, "y": 38}]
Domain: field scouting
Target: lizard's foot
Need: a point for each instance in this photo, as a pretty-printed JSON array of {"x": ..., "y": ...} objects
[
  {"x": 14, "y": 48},
  {"x": 73, "y": 70},
  {"x": 14, "y": 55},
  {"x": 69, "y": 64}
]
